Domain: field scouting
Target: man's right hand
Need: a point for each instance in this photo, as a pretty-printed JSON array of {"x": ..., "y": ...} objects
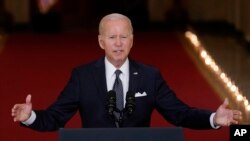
[{"x": 22, "y": 112}]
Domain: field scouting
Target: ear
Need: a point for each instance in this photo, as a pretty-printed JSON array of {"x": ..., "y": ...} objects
[
  {"x": 132, "y": 41},
  {"x": 100, "y": 41}
]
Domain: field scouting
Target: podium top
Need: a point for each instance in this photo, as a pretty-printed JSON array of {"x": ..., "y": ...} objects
[{"x": 121, "y": 134}]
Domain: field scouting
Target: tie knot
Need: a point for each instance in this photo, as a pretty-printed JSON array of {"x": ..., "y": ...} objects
[{"x": 117, "y": 73}]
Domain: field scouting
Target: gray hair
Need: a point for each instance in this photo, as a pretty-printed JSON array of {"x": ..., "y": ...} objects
[{"x": 114, "y": 16}]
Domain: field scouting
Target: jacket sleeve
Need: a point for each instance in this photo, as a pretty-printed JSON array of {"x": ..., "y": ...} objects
[
  {"x": 176, "y": 111},
  {"x": 66, "y": 105}
]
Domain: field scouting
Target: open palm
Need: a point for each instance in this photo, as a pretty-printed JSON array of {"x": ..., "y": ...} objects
[
  {"x": 21, "y": 112},
  {"x": 225, "y": 116}
]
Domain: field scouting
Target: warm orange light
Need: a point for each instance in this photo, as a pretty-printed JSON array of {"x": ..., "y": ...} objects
[{"x": 210, "y": 63}]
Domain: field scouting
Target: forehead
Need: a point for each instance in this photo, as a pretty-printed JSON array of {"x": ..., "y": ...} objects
[{"x": 116, "y": 25}]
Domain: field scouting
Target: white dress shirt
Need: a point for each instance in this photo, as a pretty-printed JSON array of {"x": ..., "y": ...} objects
[{"x": 124, "y": 76}]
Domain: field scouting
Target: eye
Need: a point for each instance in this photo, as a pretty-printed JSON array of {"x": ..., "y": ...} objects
[
  {"x": 112, "y": 37},
  {"x": 124, "y": 37}
]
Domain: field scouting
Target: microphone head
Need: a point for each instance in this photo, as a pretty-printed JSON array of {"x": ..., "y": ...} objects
[
  {"x": 130, "y": 95},
  {"x": 111, "y": 102},
  {"x": 130, "y": 102},
  {"x": 111, "y": 94}
]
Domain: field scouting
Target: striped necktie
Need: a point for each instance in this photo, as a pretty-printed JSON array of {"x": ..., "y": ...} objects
[{"x": 117, "y": 87}]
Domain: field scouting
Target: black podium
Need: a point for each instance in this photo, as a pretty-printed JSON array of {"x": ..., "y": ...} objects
[{"x": 121, "y": 134}]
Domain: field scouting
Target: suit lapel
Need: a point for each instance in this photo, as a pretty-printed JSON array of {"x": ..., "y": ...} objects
[
  {"x": 100, "y": 78},
  {"x": 134, "y": 75}
]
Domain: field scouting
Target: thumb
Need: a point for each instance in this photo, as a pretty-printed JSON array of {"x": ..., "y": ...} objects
[
  {"x": 225, "y": 103},
  {"x": 28, "y": 99}
]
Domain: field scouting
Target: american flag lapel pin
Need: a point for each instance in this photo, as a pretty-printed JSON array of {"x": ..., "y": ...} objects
[{"x": 135, "y": 73}]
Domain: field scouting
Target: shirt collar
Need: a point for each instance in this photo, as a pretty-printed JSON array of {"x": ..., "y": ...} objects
[{"x": 110, "y": 69}]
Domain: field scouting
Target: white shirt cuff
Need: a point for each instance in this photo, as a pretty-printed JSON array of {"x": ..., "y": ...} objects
[
  {"x": 211, "y": 119},
  {"x": 31, "y": 119}
]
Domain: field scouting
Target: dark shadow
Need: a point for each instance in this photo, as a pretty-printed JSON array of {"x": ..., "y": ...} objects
[
  {"x": 6, "y": 19},
  {"x": 177, "y": 18},
  {"x": 45, "y": 22},
  {"x": 136, "y": 10}
]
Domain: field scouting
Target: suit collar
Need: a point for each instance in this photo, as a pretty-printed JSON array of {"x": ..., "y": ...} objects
[{"x": 100, "y": 76}]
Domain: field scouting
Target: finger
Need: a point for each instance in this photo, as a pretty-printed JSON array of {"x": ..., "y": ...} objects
[
  {"x": 237, "y": 117},
  {"x": 28, "y": 99},
  {"x": 237, "y": 112},
  {"x": 15, "y": 107},
  {"x": 15, "y": 119},
  {"x": 234, "y": 122},
  {"x": 13, "y": 112},
  {"x": 225, "y": 103}
]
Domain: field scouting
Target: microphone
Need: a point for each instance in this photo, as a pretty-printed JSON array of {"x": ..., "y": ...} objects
[
  {"x": 130, "y": 103},
  {"x": 111, "y": 102}
]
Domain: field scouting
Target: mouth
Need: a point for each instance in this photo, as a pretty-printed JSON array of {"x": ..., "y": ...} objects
[{"x": 118, "y": 51}]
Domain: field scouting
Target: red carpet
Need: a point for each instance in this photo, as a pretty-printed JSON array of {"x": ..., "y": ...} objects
[{"x": 41, "y": 65}]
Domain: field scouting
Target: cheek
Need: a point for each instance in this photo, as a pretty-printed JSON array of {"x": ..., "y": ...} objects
[
  {"x": 105, "y": 46},
  {"x": 128, "y": 48},
  {"x": 108, "y": 50}
]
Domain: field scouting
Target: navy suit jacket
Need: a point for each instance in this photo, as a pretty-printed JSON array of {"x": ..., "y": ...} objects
[{"x": 86, "y": 91}]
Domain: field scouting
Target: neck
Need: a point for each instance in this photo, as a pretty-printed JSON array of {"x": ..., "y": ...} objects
[{"x": 117, "y": 64}]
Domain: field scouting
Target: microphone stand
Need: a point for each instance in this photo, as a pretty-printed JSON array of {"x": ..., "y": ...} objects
[{"x": 118, "y": 115}]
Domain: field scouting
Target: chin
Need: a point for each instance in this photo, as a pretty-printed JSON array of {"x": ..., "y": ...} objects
[{"x": 119, "y": 61}]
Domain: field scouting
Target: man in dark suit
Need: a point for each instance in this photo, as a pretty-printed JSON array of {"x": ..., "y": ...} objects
[{"x": 89, "y": 84}]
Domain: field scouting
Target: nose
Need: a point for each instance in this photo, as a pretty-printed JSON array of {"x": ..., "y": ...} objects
[{"x": 118, "y": 41}]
